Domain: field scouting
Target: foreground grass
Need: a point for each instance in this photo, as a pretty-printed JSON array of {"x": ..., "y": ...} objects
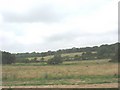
[
  {"x": 69, "y": 73},
  {"x": 70, "y": 80}
]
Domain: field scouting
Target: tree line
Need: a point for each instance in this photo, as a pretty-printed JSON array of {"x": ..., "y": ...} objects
[
  {"x": 103, "y": 49},
  {"x": 88, "y": 53}
]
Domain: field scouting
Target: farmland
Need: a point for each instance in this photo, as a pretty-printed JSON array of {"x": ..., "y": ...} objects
[{"x": 68, "y": 73}]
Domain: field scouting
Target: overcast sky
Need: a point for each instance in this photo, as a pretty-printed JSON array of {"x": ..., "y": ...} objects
[{"x": 42, "y": 25}]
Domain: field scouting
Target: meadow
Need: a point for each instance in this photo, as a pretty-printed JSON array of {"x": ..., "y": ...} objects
[{"x": 67, "y": 73}]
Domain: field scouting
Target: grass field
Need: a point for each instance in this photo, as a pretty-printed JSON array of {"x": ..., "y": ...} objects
[{"x": 68, "y": 73}]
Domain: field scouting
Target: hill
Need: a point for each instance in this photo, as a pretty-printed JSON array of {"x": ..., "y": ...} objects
[{"x": 87, "y": 53}]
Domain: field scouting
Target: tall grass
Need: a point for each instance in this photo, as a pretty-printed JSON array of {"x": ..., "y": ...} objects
[{"x": 77, "y": 72}]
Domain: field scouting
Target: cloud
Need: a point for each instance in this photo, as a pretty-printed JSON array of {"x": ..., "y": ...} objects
[
  {"x": 40, "y": 14},
  {"x": 78, "y": 35},
  {"x": 76, "y": 41},
  {"x": 42, "y": 25},
  {"x": 23, "y": 11},
  {"x": 67, "y": 36}
]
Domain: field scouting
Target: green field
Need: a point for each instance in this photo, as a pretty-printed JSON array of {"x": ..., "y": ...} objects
[{"x": 68, "y": 73}]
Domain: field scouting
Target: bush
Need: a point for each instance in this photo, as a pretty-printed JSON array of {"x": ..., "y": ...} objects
[
  {"x": 42, "y": 59},
  {"x": 66, "y": 58},
  {"x": 57, "y": 59},
  {"x": 88, "y": 56},
  {"x": 115, "y": 58},
  {"x": 8, "y": 58},
  {"x": 22, "y": 60},
  {"x": 77, "y": 57}
]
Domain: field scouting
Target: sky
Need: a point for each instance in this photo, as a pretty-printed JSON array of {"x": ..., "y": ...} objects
[{"x": 43, "y": 25}]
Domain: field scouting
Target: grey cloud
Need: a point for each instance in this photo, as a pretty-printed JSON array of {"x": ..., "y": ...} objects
[
  {"x": 73, "y": 35},
  {"x": 62, "y": 37},
  {"x": 17, "y": 29},
  {"x": 46, "y": 13},
  {"x": 60, "y": 41},
  {"x": 72, "y": 39},
  {"x": 68, "y": 36}
]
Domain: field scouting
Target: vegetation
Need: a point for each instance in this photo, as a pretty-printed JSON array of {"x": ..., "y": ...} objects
[
  {"x": 89, "y": 65},
  {"x": 116, "y": 56},
  {"x": 67, "y": 73},
  {"x": 8, "y": 58},
  {"x": 103, "y": 51},
  {"x": 89, "y": 56},
  {"x": 57, "y": 59},
  {"x": 87, "y": 53}
]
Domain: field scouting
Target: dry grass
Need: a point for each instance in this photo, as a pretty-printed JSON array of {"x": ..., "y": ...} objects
[{"x": 81, "y": 68}]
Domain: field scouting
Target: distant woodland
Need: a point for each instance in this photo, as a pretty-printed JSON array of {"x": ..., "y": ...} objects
[{"x": 88, "y": 53}]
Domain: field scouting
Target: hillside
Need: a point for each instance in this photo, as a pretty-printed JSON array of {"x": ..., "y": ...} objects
[
  {"x": 87, "y": 53},
  {"x": 74, "y": 54},
  {"x": 107, "y": 48}
]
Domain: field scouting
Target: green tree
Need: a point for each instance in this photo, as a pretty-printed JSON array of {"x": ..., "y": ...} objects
[
  {"x": 35, "y": 58},
  {"x": 42, "y": 59},
  {"x": 22, "y": 60},
  {"x": 83, "y": 56},
  {"x": 77, "y": 57},
  {"x": 8, "y": 58},
  {"x": 66, "y": 58},
  {"x": 88, "y": 55},
  {"x": 116, "y": 57},
  {"x": 57, "y": 59}
]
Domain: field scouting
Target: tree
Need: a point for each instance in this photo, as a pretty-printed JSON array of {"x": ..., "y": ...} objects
[
  {"x": 57, "y": 59},
  {"x": 88, "y": 55},
  {"x": 8, "y": 58},
  {"x": 35, "y": 58},
  {"x": 22, "y": 60},
  {"x": 116, "y": 57},
  {"x": 105, "y": 51},
  {"x": 77, "y": 57},
  {"x": 42, "y": 59},
  {"x": 83, "y": 56},
  {"x": 66, "y": 58}
]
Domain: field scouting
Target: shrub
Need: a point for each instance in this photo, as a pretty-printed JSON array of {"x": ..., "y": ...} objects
[
  {"x": 8, "y": 58},
  {"x": 22, "y": 60},
  {"x": 77, "y": 57},
  {"x": 57, "y": 59}
]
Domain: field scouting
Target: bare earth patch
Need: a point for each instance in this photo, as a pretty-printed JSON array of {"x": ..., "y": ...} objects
[{"x": 106, "y": 85}]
